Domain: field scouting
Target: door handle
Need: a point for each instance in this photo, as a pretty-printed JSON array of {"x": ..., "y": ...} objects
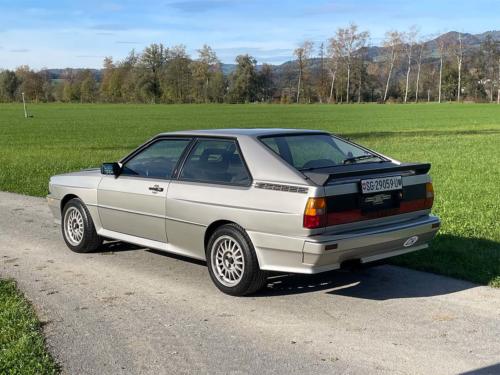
[{"x": 156, "y": 188}]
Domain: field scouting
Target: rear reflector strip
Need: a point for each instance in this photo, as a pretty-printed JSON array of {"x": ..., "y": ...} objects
[
  {"x": 344, "y": 217},
  {"x": 349, "y": 208}
]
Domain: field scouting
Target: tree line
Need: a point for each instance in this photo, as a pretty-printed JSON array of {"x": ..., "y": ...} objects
[{"x": 343, "y": 69}]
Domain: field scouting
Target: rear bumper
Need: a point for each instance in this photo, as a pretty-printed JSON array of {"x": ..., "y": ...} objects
[{"x": 326, "y": 252}]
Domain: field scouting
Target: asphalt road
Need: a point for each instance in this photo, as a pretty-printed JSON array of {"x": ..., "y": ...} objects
[{"x": 128, "y": 311}]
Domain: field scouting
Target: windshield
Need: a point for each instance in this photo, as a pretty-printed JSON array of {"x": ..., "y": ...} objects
[{"x": 314, "y": 151}]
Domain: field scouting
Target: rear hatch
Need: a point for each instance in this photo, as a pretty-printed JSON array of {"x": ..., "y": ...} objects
[
  {"x": 372, "y": 194},
  {"x": 358, "y": 187}
]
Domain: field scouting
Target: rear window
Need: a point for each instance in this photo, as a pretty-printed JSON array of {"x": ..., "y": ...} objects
[{"x": 312, "y": 151}]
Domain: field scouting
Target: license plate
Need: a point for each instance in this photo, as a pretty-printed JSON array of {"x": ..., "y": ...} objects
[{"x": 375, "y": 185}]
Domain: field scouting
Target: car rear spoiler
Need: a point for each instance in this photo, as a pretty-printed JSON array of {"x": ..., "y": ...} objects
[{"x": 322, "y": 177}]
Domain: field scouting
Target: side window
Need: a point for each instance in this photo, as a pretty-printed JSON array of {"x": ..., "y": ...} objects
[
  {"x": 158, "y": 160},
  {"x": 216, "y": 161}
]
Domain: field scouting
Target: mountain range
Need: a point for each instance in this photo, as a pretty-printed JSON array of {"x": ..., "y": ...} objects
[{"x": 471, "y": 42}]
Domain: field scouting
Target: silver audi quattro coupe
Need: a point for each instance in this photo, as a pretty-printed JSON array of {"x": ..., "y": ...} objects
[{"x": 251, "y": 201}]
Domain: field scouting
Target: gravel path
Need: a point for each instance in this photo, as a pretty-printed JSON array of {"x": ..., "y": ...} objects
[{"x": 128, "y": 310}]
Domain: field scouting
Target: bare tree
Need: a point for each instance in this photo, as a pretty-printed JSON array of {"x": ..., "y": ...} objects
[
  {"x": 443, "y": 45},
  {"x": 431, "y": 76},
  {"x": 458, "y": 51},
  {"x": 333, "y": 73},
  {"x": 332, "y": 68},
  {"x": 409, "y": 42},
  {"x": 347, "y": 43},
  {"x": 420, "y": 53},
  {"x": 361, "y": 58},
  {"x": 360, "y": 63},
  {"x": 392, "y": 44},
  {"x": 428, "y": 79},
  {"x": 322, "y": 84},
  {"x": 490, "y": 51},
  {"x": 302, "y": 53}
]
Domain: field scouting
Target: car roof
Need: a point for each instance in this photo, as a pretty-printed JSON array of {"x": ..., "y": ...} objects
[{"x": 247, "y": 132}]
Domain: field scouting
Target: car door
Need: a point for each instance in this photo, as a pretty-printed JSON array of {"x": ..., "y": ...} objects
[
  {"x": 209, "y": 186},
  {"x": 134, "y": 202}
]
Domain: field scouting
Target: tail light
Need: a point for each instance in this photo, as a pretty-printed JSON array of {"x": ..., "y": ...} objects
[
  {"x": 419, "y": 204},
  {"x": 429, "y": 195},
  {"x": 315, "y": 213}
]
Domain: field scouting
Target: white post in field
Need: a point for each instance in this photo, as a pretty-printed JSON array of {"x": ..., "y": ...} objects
[{"x": 24, "y": 105}]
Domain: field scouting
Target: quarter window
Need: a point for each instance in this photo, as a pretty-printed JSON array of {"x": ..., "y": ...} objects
[
  {"x": 158, "y": 160},
  {"x": 215, "y": 161}
]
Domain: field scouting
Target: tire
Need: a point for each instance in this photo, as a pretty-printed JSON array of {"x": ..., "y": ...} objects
[
  {"x": 78, "y": 229},
  {"x": 232, "y": 263}
]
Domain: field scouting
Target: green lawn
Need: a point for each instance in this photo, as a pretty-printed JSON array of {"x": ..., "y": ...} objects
[
  {"x": 22, "y": 349},
  {"x": 461, "y": 141}
]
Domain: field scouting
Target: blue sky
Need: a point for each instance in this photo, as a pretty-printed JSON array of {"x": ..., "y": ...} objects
[{"x": 79, "y": 34}]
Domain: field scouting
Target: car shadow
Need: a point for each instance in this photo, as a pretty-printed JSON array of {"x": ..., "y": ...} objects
[
  {"x": 489, "y": 370},
  {"x": 109, "y": 247},
  {"x": 374, "y": 281},
  {"x": 472, "y": 258},
  {"x": 380, "y": 283},
  {"x": 178, "y": 257},
  {"x": 455, "y": 256}
]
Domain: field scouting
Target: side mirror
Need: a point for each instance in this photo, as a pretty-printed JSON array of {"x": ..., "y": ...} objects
[{"x": 111, "y": 169}]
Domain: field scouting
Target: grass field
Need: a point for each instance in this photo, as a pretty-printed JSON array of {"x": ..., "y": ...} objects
[
  {"x": 22, "y": 349},
  {"x": 461, "y": 141}
]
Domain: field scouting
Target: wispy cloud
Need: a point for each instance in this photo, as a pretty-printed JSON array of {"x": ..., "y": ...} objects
[
  {"x": 39, "y": 11},
  {"x": 110, "y": 26},
  {"x": 266, "y": 29},
  {"x": 338, "y": 8},
  {"x": 112, "y": 7},
  {"x": 89, "y": 56},
  {"x": 253, "y": 50},
  {"x": 327, "y": 8},
  {"x": 126, "y": 42},
  {"x": 199, "y": 6}
]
